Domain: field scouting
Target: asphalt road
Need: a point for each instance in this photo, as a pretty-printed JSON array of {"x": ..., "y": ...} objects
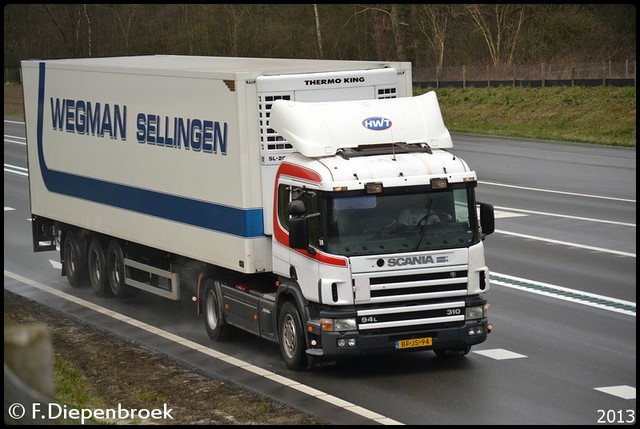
[{"x": 563, "y": 303}]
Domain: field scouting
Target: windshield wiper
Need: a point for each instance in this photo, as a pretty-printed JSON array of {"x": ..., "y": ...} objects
[{"x": 423, "y": 228}]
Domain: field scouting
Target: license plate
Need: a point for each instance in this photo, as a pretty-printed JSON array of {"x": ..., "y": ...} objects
[{"x": 414, "y": 342}]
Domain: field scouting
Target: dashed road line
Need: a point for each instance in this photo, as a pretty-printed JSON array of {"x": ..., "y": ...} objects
[
  {"x": 624, "y": 392},
  {"x": 499, "y": 354}
]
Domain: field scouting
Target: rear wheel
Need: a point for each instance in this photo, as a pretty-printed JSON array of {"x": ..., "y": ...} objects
[
  {"x": 115, "y": 270},
  {"x": 212, "y": 308},
  {"x": 75, "y": 262},
  {"x": 97, "y": 264},
  {"x": 291, "y": 338}
]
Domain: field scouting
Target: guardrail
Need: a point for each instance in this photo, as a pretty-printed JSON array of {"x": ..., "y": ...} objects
[{"x": 607, "y": 73}]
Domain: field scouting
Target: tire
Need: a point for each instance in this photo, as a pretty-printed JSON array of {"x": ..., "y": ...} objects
[
  {"x": 75, "y": 262},
  {"x": 97, "y": 267},
  {"x": 445, "y": 353},
  {"x": 291, "y": 338},
  {"x": 116, "y": 271},
  {"x": 214, "y": 323}
]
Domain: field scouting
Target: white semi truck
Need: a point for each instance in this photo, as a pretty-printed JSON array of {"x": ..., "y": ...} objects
[{"x": 312, "y": 203}]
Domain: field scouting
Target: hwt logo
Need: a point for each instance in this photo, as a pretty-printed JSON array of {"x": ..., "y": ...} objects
[{"x": 376, "y": 123}]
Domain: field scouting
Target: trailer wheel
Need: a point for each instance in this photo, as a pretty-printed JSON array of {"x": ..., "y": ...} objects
[
  {"x": 75, "y": 265},
  {"x": 213, "y": 319},
  {"x": 291, "y": 337},
  {"x": 97, "y": 264},
  {"x": 115, "y": 270}
]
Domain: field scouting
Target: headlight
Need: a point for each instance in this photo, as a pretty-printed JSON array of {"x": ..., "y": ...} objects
[
  {"x": 338, "y": 324},
  {"x": 471, "y": 313}
]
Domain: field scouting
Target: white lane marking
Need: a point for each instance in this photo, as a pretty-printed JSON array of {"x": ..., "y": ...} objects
[
  {"x": 15, "y": 169},
  {"x": 499, "y": 354},
  {"x": 499, "y": 214},
  {"x": 567, "y": 243},
  {"x": 8, "y": 209},
  {"x": 378, "y": 418},
  {"x": 558, "y": 192},
  {"x": 624, "y": 392},
  {"x": 22, "y": 141},
  {"x": 588, "y": 219}
]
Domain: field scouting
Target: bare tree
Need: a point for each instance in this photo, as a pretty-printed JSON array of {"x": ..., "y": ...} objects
[
  {"x": 235, "y": 15},
  {"x": 86, "y": 15},
  {"x": 432, "y": 21},
  {"x": 500, "y": 25},
  {"x": 396, "y": 27},
  {"x": 318, "y": 33},
  {"x": 124, "y": 17},
  {"x": 67, "y": 20},
  {"x": 386, "y": 18}
]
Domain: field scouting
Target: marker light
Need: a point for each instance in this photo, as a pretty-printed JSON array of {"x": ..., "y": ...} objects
[
  {"x": 373, "y": 188},
  {"x": 439, "y": 183},
  {"x": 471, "y": 313},
  {"x": 334, "y": 325}
]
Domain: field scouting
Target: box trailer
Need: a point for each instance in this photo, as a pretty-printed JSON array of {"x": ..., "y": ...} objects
[{"x": 271, "y": 191}]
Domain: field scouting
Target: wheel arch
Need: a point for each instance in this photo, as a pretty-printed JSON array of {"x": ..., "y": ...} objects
[{"x": 289, "y": 290}]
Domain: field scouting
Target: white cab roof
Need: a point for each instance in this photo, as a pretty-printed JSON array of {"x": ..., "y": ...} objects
[{"x": 320, "y": 129}]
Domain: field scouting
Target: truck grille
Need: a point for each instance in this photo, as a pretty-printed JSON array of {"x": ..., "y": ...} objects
[
  {"x": 425, "y": 299},
  {"x": 450, "y": 283}
]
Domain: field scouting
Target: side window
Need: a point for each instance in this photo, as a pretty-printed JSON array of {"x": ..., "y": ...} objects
[
  {"x": 311, "y": 203},
  {"x": 284, "y": 196},
  {"x": 461, "y": 206},
  {"x": 287, "y": 193}
]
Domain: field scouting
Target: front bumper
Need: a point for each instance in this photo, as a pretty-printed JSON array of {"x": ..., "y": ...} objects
[{"x": 457, "y": 337}]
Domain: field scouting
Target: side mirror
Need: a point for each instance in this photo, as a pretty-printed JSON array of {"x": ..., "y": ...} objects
[
  {"x": 298, "y": 233},
  {"x": 487, "y": 219},
  {"x": 298, "y": 226},
  {"x": 296, "y": 208}
]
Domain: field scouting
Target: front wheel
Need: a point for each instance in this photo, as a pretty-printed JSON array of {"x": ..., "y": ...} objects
[
  {"x": 291, "y": 338},
  {"x": 213, "y": 319}
]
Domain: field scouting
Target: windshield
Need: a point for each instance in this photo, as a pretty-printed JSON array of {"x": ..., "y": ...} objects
[{"x": 393, "y": 223}]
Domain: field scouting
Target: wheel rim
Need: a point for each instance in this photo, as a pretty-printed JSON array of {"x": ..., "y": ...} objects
[
  {"x": 116, "y": 270},
  {"x": 114, "y": 265},
  {"x": 210, "y": 308},
  {"x": 95, "y": 268},
  {"x": 289, "y": 336},
  {"x": 69, "y": 258}
]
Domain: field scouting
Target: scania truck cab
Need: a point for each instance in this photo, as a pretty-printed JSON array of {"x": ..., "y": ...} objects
[{"x": 376, "y": 223}]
